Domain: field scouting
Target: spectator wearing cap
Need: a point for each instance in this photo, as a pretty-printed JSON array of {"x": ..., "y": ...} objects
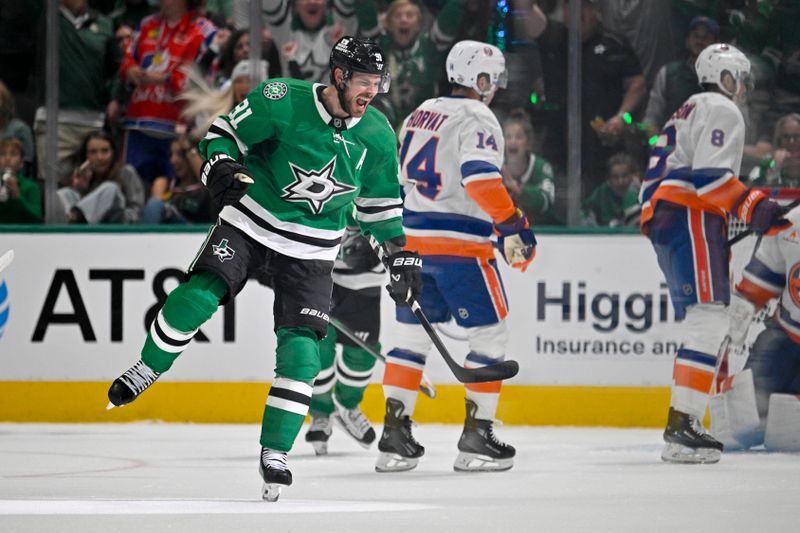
[{"x": 677, "y": 81}]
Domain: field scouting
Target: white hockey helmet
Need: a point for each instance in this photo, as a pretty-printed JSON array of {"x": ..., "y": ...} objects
[
  {"x": 479, "y": 66},
  {"x": 725, "y": 66}
]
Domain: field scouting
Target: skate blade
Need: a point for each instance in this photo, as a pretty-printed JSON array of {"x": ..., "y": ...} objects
[
  {"x": 271, "y": 492},
  {"x": 475, "y": 462},
  {"x": 678, "y": 453},
  {"x": 320, "y": 447},
  {"x": 391, "y": 462}
]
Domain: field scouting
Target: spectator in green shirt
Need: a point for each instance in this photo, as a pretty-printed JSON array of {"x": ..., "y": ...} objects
[
  {"x": 782, "y": 167},
  {"x": 615, "y": 202},
  {"x": 415, "y": 58},
  {"x": 11, "y": 126},
  {"x": 528, "y": 177},
  {"x": 20, "y": 198}
]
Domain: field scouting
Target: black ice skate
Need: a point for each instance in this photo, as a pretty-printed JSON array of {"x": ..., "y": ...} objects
[
  {"x": 687, "y": 440},
  {"x": 274, "y": 472},
  {"x": 319, "y": 432},
  {"x": 355, "y": 424},
  {"x": 479, "y": 449},
  {"x": 399, "y": 450},
  {"x": 131, "y": 384}
]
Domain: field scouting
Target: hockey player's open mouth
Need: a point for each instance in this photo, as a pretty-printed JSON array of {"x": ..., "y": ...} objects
[{"x": 362, "y": 103}]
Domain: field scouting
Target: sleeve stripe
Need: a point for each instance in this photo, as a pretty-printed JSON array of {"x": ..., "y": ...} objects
[
  {"x": 277, "y": 16},
  {"x": 477, "y": 167},
  {"x": 481, "y": 177},
  {"x": 222, "y": 128},
  {"x": 758, "y": 270},
  {"x": 381, "y": 216},
  {"x": 376, "y": 209},
  {"x": 376, "y": 202}
]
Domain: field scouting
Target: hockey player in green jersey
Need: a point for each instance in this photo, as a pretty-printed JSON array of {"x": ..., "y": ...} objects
[{"x": 284, "y": 165}]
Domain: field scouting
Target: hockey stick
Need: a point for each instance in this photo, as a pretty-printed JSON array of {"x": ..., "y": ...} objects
[
  {"x": 721, "y": 366},
  {"x": 425, "y": 386},
  {"x": 496, "y": 372},
  {"x": 746, "y": 233},
  {"x": 6, "y": 259}
]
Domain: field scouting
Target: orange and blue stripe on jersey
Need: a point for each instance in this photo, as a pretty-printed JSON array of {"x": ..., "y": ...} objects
[
  {"x": 432, "y": 233},
  {"x": 760, "y": 283},
  {"x": 484, "y": 185},
  {"x": 711, "y": 189}
]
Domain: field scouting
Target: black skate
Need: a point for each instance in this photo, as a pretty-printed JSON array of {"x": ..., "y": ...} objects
[
  {"x": 131, "y": 384},
  {"x": 479, "y": 449},
  {"x": 355, "y": 424},
  {"x": 687, "y": 440},
  {"x": 274, "y": 472},
  {"x": 319, "y": 432},
  {"x": 399, "y": 450}
]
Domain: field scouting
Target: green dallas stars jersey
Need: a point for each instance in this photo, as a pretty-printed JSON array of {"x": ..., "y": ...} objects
[{"x": 307, "y": 172}]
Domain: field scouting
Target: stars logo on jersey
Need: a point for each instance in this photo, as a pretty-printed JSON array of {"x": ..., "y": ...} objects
[
  {"x": 316, "y": 187},
  {"x": 275, "y": 90},
  {"x": 223, "y": 251}
]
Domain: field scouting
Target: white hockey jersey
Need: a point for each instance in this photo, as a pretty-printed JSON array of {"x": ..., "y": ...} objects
[
  {"x": 451, "y": 154},
  {"x": 697, "y": 157},
  {"x": 775, "y": 271}
]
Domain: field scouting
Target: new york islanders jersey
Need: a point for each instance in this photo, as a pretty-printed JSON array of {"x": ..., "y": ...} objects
[
  {"x": 450, "y": 157},
  {"x": 697, "y": 157},
  {"x": 309, "y": 168},
  {"x": 775, "y": 271}
]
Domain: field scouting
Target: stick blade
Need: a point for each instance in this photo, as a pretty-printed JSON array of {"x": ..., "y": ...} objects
[{"x": 496, "y": 372}]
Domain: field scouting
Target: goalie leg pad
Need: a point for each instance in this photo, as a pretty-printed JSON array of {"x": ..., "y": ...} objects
[
  {"x": 783, "y": 423},
  {"x": 734, "y": 417},
  {"x": 775, "y": 362}
]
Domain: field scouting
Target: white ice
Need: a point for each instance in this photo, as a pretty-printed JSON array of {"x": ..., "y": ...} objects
[{"x": 120, "y": 478}]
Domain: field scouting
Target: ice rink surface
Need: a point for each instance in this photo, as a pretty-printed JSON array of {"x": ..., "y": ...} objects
[{"x": 140, "y": 477}]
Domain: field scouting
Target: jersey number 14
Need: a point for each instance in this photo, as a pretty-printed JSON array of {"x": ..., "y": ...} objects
[{"x": 421, "y": 167}]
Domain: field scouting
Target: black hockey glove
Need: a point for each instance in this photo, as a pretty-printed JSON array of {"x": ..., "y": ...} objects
[
  {"x": 405, "y": 276},
  {"x": 357, "y": 253},
  {"x": 226, "y": 180},
  {"x": 768, "y": 215}
]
